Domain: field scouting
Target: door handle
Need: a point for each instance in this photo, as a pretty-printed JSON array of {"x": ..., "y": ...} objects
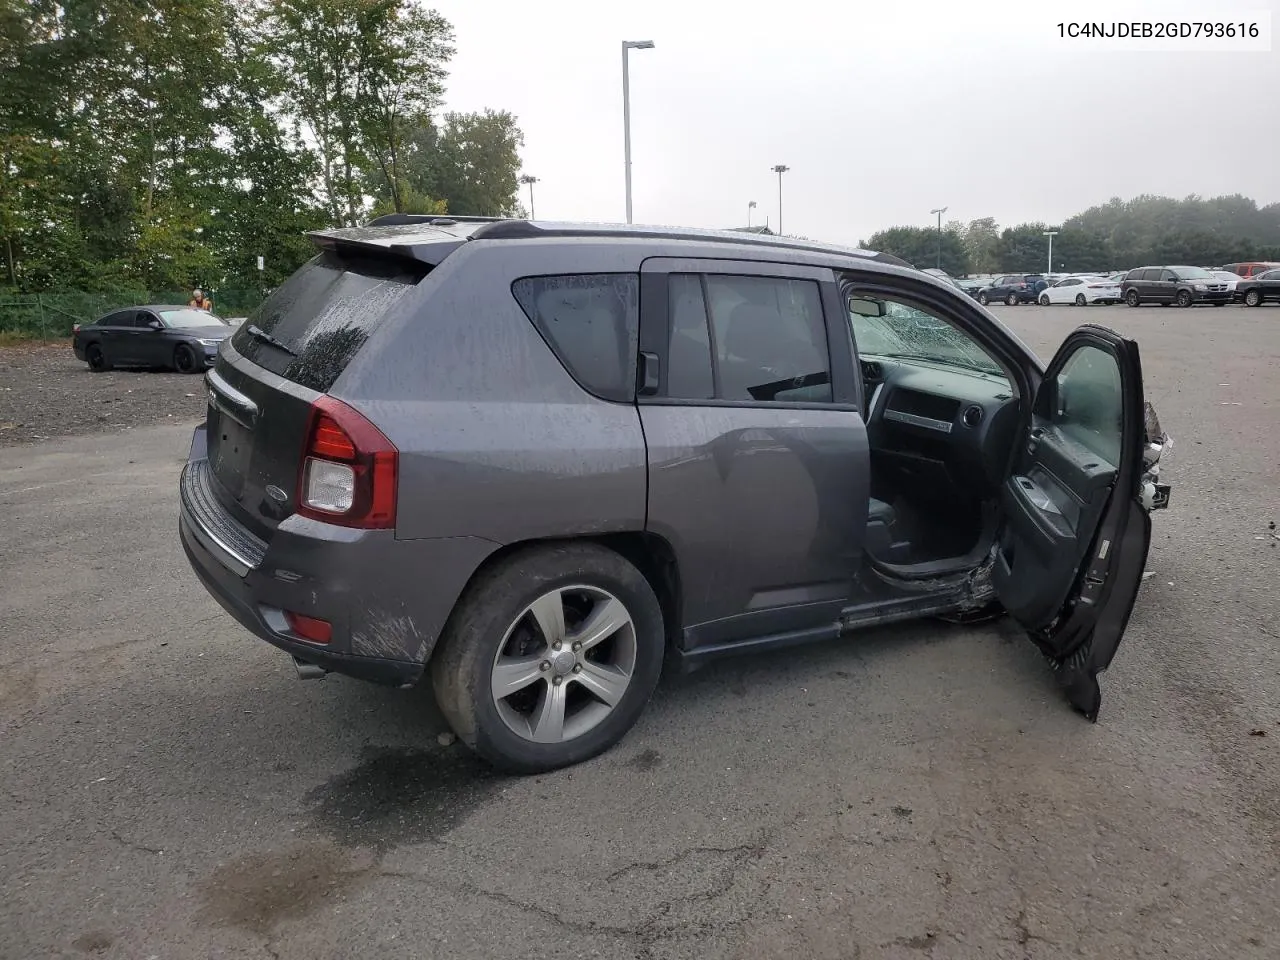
[
  {"x": 1034, "y": 439},
  {"x": 649, "y": 374}
]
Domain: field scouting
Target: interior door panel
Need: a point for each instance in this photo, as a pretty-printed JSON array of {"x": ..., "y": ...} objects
[
  {"x": 1057, "y": 496},
  {"x": 1075, "y": 535}
]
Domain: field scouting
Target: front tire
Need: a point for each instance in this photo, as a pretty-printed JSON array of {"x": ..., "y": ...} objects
[
  {"x": 184, "y": 359},
  {"x": 1044, "y": 300},
  {"x": 1132, "y": 298},
  {"x": 982, "y": 298},
  {"x": 550, "y": 657},
  {"x": 1253, "y": 298},
  {"x": 1183, "y": 298}
]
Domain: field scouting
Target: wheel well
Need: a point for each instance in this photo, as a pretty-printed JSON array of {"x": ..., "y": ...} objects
[{"x": 649, "y": 553}]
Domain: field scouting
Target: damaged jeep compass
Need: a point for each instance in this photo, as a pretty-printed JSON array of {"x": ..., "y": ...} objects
[{"x": 530, "y": 461}]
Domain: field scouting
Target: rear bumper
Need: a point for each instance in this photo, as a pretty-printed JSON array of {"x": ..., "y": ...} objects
[
  {"x": 237, "y": 598},
  {"x": 387, "y": 600}
]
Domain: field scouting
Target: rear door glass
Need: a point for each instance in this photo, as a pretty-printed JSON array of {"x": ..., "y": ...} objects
[{"x": 323, "y": 314}]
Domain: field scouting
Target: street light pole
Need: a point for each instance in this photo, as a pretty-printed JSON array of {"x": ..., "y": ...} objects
[
  {"x": 530, "y": 181},
  {"x": 627, "y": 47},
  {"x": 940, "y": 211},
  {"x": 1050, "y": 234},
  {"x": 780, "y": 169},
  {"x": 751, "y": 205}
]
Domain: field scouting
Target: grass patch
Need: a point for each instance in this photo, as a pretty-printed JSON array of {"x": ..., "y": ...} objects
[{"x": 17, "y": 338}]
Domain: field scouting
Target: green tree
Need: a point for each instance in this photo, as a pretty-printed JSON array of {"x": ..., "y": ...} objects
[
  {"x": 472, "y": 162},
  {"x": 920, "y": 246},
  {"x": 981, "y": 237},
  {"x": 356, "y": 72}
]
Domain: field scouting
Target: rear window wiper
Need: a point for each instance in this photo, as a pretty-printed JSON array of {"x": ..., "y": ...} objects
[{"x": 259, "y": 334}]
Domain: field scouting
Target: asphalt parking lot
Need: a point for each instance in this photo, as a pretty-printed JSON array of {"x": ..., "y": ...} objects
[{"x": 168, "y": 789}]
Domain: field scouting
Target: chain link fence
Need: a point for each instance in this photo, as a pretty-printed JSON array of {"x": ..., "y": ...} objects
[{"x": 54, "y": 313}]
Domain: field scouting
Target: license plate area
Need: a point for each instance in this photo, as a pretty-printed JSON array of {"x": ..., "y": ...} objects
[{"x": 230, "y": 450}]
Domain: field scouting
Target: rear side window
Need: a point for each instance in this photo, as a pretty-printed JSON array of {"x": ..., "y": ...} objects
[
  {"x": 592, "y": 324},
  {"x": 323, "y": 314}
]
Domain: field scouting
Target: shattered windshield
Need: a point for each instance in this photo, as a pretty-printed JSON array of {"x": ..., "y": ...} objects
[{"x": 910, "y": 334}]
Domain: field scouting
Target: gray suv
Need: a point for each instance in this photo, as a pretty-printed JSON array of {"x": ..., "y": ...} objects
[{"x": 533, "y": 460}]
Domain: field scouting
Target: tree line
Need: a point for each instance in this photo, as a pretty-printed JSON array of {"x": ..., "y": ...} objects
[
  {"x": 166, "y": 144},
  {"x": 1116, "y": 235}
]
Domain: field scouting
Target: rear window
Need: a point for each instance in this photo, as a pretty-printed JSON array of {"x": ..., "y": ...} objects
[
  {"x": 591, "y": 322},
  {"x": 323, "y": 314}
]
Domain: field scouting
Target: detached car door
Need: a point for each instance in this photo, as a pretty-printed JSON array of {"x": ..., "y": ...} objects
[{"x": 1076, "y": 531}]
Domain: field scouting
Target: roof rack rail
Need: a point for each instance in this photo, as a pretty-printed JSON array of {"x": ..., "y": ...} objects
[
  {"x": 440, "y": 219},
  {"x": 525, "y": 229}
]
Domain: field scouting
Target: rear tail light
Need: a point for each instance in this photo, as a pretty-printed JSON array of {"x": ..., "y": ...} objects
[
  {"x": 349, "y": 469},
  {"x": 75, "y": 328},
  {"x": 311, "y": 629}
]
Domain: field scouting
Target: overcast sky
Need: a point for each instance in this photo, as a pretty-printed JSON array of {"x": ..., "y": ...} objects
[{"x": 883, "y": 109}]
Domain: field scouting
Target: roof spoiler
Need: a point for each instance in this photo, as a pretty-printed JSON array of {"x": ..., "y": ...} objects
[{"x": 430, "y": 253}]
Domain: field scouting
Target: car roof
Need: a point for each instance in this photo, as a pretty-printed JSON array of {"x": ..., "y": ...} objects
[
  {"x": 148, "y": 306},
  {"x": 431, "y": 238}
]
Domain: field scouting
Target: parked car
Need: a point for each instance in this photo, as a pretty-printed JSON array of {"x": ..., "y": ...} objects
[
  {"x": 1231, "y": 279},
  {"x": 1182, "y": 285},
  {"x": 971, "y": 286},
  {"x": 1252, "y": 268},
  {"x": 553, "y": 483},
  {"x": 1012, "y": 289},
  {"x": 1260, "y": 288},
  {"x": 1081, "y": 291},
  {"x": 156, "y": 335}
]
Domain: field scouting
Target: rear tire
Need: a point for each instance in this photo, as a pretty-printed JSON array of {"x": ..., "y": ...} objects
[
  {"x": 184, "y": 359},
  {"x": 1132, "y": 298},
  {"x": 495, "y": 624},
  {"x": 1011, "y": 299},
  {"x": 1081, "y": 301},
  {"x": 1183, "y": 298},
  {"x": 96, "y": 358},
  {"x": 1253, "y": 298}
]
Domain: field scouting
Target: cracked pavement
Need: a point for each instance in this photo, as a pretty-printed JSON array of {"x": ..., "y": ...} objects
[{"x": 169, "y": 790}]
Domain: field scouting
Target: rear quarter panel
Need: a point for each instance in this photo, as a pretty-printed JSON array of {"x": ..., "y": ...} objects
[{"x": 496, "y": 439}]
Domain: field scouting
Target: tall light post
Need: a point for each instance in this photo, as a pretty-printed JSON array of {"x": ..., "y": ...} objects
[
  {"x": 780, "y": 169},
  {"x": 1051, "y": 234},
  {"x": 627, "y": 47},
  {"x": 940, "y": 211},
  {"x": 530, "y": 180},
  {"x": 751, "y": 205}
]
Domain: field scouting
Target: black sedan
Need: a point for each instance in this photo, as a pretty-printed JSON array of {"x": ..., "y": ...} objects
[
  {"x": 180, "y": 338},
  {"x": 1259, "y": 289}
]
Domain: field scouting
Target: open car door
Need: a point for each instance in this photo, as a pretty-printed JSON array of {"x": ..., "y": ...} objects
[{"x": 1076, "y": 527}]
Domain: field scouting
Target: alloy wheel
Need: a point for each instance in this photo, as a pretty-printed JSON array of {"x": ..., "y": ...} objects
[{"x": 564, "y": 664}]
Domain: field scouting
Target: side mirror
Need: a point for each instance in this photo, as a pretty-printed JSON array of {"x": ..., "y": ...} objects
[
  {"x": 864, "y": 307},
  {"x": 155, "y": 324}
]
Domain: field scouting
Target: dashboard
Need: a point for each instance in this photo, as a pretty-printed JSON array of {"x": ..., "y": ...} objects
[{"x": 939, "y": 427}]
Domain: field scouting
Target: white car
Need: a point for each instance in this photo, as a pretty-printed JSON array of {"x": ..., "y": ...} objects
[
  {"x": 1081, "y": 291},
  {"x": 1229, "y": 278}
]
